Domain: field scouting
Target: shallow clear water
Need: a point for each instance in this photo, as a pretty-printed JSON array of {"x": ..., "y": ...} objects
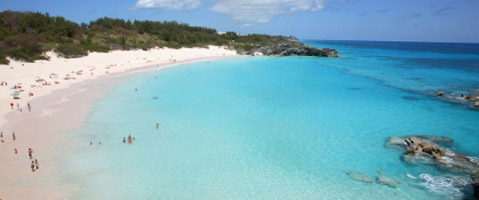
[{"x": 276, "y": 128}]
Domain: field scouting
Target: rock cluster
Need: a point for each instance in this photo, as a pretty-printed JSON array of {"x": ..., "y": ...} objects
[
  {"x": 400, "y": 141},
  {"x": 416, "y": 146},
  {"x": 291, "y": 47},
  {"x": 469, "y": 99},
  {"x": 428, "y": 151}
]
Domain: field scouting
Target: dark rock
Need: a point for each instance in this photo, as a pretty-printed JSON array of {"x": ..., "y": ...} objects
[
  {"x": 471, "y": 97},
  {"x": 475, "y": 184},
  {"x": 440, "y": 94}
]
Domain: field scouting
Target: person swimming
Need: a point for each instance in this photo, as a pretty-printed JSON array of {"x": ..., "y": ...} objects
[{"x": 124, "y": 140}]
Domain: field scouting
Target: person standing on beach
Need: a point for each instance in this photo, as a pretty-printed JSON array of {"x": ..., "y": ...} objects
[
  {"x": 124, "y": 140},
  {"x": 13, "y": 135},
  {"x": 11, "y": 105},
  {"x": 33, "y": 166},
  {"x": 37, "y": 165},
  {"x": 15, "y": 151},
  {"x": 129, "y": 139},
  {"x": 18, "y": 106},
  {"x": 1, "y": 135},
  {"x": 29, "y": 107},
  {"x": 30, "y": 153}
]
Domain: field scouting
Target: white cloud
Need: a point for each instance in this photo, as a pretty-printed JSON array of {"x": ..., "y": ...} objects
[
  {"x": 247, "y": 12},
  {"x": 168, "y": 4},
  {"x": 262, "y": 11}
]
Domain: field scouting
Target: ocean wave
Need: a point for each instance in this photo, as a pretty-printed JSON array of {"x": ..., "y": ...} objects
[
  {"x": 410, "y": 176},
  {"x": 440, "y": 185}
]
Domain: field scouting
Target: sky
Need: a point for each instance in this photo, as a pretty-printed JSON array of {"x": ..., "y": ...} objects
[{"x": 374, "y": 20}]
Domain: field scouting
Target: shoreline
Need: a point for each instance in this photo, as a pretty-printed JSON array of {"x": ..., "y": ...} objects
[
  {"x": 59, "y": 111},
  {"x": 42, "y": 77}
]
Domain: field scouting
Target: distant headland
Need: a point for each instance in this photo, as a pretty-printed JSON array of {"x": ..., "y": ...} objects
[{"x": 26, "y": 36}]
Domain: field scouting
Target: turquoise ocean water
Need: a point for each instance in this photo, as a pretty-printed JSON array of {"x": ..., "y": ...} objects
[{"x": 280, "y": 128}]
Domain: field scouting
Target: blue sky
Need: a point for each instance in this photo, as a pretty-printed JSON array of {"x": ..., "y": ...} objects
[{"x": 380, "y": 20}]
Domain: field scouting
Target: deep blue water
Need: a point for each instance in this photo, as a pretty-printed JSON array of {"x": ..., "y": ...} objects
[{"x": 281, "y": 128}]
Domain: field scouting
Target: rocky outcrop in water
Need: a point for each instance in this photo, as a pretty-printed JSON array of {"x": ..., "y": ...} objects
[
  {"x": 428, "y": 151},
  {"x": 475, "y": 184},
  {"x": 292, "y": 47},
  {"x": 416, "y": 146},
  {"x": 471, "y": 99},
  {"x": 400, "y": 141}
]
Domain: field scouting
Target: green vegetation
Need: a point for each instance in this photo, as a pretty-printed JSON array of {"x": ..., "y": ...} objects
[{"x": 27, "y": 35}]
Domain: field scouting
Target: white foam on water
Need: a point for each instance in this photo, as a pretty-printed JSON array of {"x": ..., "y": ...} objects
[
  {"x": 449, "y": 153},
  {"x": 440, "y": 185},
  {"x": 473, "y": 159},
  {"x": 446, "y": 159},
  {"x": 411, "y": 176}
]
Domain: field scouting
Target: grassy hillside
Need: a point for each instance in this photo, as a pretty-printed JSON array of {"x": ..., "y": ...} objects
[{"x": 27, "y": 35}]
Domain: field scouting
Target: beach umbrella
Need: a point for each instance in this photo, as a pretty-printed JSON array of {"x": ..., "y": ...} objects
[{"x": 16, "y": 94}]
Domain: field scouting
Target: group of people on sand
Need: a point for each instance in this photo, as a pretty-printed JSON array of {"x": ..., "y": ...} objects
[
  {"x": 2, "y": 139},
  {"x": 4, "y": 83},
  {"x": 35, "y": 164},
  {"x": 20, "y": 109}
]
